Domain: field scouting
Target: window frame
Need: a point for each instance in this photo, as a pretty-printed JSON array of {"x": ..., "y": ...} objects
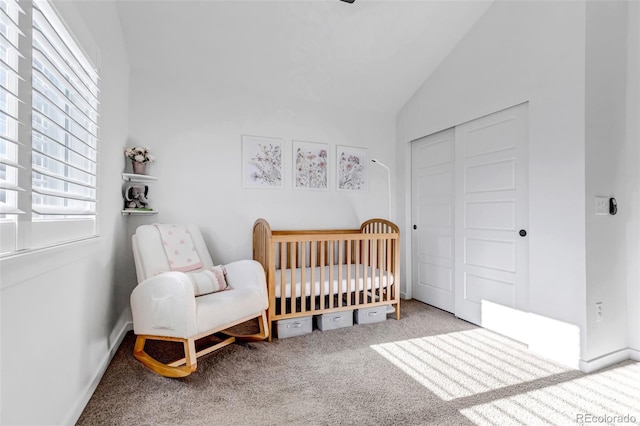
[{"x": 32, "y": 231}]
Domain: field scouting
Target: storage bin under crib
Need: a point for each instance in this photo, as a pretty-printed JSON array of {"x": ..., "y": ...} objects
[
  {"x": 293, "y": 327},
  {"x": 334, "y": 320}
]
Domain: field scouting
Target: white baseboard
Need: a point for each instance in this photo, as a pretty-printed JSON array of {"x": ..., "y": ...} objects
[
  {"x": 634, "y": 354},
  {"x": 607, "y": 360},
  {"x": 123, "y": 326}
]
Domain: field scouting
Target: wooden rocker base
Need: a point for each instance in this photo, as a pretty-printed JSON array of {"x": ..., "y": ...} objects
[
  {"x": 262, "y": 335},
  {"x": 180, "y": 368},
  {"x": 187, "y": 365}
]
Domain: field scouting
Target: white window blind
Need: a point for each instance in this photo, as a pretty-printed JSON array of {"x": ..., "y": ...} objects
[
  {"x": 65, "y": 130},
  {"x": 62, "y": 139},
  {"x": 10, "y": 41}
]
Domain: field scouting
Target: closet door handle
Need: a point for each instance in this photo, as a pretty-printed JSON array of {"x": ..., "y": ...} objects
[
  {"x": 415, "y": 226},
  {"x": 523, "y": 232}
]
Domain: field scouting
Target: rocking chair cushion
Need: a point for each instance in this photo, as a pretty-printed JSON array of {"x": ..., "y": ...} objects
[
  {"x": 211, "y": 280},
  {"x": 214, "y": 310}
]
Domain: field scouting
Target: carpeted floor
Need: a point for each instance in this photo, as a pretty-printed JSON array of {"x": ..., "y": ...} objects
[{"x": 427, "y": 368}]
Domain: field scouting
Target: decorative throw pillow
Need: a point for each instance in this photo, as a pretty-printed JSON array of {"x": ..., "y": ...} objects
[{"x": 210, "y": 280}]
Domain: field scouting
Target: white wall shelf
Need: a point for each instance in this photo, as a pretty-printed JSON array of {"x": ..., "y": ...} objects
[
  {"x": 132, "y": 177},
  {"x": 135, "y": 212}
]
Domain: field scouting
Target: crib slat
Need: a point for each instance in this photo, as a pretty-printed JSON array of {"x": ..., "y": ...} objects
[
  {"x": 292, "y": 261},
  {"x": 378, "y": 269},
  {"x": 374, "y": 264},
  {"x": 331, "y": 248},
  {"x": 380, "y": 244},
  {"x": 303, "y": 278},
  {"x": 365, "y": 265},
  {"x": 283, "y": 280},
  {"x": 313, "y": 258},
  {"x": 340, "y": 273},
  {"x": 379, "y": 266},
  {"x": 389, "y": 266},
  {"x": 358, "y": 247},
  {"x": 322, "y": 273},
  {"x": 348, "y": 250}
]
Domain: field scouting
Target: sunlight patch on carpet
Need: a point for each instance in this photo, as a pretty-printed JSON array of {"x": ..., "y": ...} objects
[
  {"x": 465, "y": 363},
  {"x": 609, "y": 397}
]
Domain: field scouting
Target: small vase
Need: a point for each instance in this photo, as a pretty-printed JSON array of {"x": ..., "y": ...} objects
[{"x": 139, "y": 168}]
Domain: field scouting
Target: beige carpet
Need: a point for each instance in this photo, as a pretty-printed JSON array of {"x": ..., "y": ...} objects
[{"x": 427, "y": 368}]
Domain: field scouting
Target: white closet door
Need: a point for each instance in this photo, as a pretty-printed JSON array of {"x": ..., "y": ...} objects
[
  {"x": 433, "y": 219},
  {"x": 491, "y": 187}
]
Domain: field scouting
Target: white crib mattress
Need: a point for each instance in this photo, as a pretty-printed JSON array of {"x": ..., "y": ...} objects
[{"x": 379, "y": 279}]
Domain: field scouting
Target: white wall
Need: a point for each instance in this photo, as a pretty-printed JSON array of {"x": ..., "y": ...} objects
[
  {"x": 632, "y": 179},
  {"x": 63, "y": 310},
  {"x": 606, "y": 150},
  {"x": 194, "y": 128},
  {"x": 517, "y": 52}
]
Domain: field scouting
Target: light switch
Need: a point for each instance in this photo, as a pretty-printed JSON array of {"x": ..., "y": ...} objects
[{"x": 602, "y": 205}]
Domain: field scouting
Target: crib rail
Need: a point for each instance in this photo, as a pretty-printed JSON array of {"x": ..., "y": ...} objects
[{"x": 360, "y": 267}]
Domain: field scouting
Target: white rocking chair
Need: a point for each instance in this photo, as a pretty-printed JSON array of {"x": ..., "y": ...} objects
[{"x": 165, "y": 304}]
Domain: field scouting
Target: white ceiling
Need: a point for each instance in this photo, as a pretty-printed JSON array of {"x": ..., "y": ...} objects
[{"x": 368, "y": 55}]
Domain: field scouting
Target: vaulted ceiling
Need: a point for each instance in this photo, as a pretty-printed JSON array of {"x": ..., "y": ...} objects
[{"x": 365, "y": 55}]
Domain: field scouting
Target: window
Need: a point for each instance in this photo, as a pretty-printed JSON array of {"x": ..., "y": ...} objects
[{"x": 48, "y": 166}]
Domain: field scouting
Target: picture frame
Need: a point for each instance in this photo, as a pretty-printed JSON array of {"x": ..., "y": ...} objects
[
  {"x": 352, "y": 168},
  {"x": 262, "y": 165},
  {"x": 310, "y": 165}
]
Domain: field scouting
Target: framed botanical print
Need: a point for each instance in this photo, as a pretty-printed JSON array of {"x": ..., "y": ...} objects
[
  {"x": 352, "y": 168},
  {"x": 310, "y": 165},
  {"x": 262, "y": 162}
]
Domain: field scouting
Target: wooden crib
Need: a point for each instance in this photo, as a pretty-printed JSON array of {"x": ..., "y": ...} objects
[{"x": 311, "y": 272}]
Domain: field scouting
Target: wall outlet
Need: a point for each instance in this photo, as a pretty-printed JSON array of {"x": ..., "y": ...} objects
[
  {"x": 598, "y": 311},
  {"x": 602, "y": 205}
]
